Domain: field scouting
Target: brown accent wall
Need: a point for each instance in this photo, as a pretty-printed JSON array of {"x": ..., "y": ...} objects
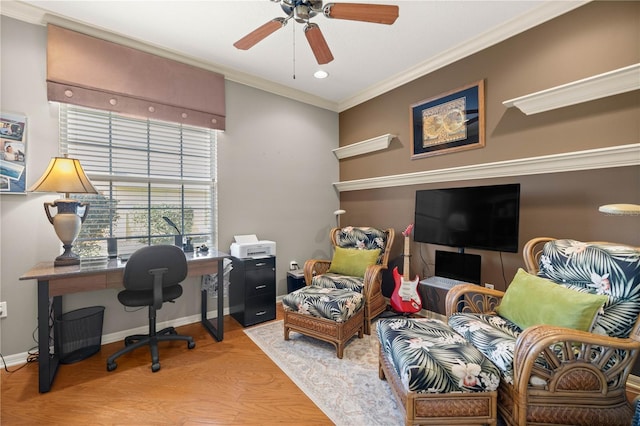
[{"x": 595, "y": 38}]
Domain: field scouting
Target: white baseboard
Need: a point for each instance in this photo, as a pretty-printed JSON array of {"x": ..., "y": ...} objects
[{"x": 21, "y": 358}]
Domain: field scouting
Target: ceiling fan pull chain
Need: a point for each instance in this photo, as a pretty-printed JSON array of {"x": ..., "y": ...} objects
[{"x": 294, "y": 52}]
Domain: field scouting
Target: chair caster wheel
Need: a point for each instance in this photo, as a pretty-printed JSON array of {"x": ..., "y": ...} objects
[
  {"x": 155, "y": 367},
  {"x": 111, "y": 366},
  {"x": 191, "y": 345}
]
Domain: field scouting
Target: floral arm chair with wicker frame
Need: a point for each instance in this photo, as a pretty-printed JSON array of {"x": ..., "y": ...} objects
[
  {"x": 553, "y": 374},
  {"x": 318, "y": 272}
]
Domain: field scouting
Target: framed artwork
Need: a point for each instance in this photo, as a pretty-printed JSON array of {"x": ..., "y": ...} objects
[
  {"x": 450, "y": 122},
  {"x": 13, "y": 161}
]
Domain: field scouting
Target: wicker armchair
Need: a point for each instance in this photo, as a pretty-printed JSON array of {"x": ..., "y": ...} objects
[
  {"x": 352, "y": 237},
  {"x": 561, "y": 375}
]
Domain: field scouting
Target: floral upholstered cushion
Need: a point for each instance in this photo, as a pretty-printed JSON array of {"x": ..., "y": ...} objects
[
  {"x": 331, "y": 303},
  {"x": 492, "y": 335},
  {"x": 362, "y": 238},
  {"x": 329, "y": 280},
  {"x": 430, "y": 357},
  {"x": 600, "y": 268}
]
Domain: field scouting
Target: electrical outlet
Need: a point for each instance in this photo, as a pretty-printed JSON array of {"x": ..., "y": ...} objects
[
  {"x": 293, "y": 265},
  {"x": 3, "y": 309},
  {"x": 490, "y": 286}
]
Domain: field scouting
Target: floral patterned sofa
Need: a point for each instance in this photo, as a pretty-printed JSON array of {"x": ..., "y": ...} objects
[{"x": 564, "y": 335}]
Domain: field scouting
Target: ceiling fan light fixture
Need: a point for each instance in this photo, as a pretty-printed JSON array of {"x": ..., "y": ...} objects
[
  {"x": 320, "y": 74},
  {"x": 302, "y": 11}
]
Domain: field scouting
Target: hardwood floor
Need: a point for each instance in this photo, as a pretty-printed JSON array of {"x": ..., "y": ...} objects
[{"x": 217, "y": 383}]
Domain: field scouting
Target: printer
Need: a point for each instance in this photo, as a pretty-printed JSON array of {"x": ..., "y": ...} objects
[{"x": 250, "y": 246}]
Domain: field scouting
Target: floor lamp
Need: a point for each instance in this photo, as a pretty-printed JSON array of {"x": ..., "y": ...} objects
[
  {"x": 620, "y": 209},
  {"x": 339, "y": 213},
  {"x": 65, "y": 175}
]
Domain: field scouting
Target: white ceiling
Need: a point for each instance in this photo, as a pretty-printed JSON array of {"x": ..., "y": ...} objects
[{"x": 370, "y": 59}]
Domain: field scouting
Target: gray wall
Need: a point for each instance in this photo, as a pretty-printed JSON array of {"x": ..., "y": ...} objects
[{"x": 275, "y": 169}]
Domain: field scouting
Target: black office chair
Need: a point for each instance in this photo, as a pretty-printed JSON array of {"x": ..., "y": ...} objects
[{"x": 152, "y": 276}]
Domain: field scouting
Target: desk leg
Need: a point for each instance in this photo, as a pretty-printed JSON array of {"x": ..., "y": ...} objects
[
  {"x": 216, "y": 331},
  {"x": 47, "y": 362}
]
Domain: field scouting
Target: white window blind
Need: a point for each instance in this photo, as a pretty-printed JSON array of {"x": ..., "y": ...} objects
[{"x": 144, "y": 171}]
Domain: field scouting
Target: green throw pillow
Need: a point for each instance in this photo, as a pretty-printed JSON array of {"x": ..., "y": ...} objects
[
  {"x": 531, "y": 300},
  {"x": 353, "y": 262}
]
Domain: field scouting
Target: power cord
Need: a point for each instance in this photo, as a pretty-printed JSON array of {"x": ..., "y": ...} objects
[
  {"x": 426, "y": 272},
  {"x": 504, "y": 277},
  {"x": 31, "y": 357}
]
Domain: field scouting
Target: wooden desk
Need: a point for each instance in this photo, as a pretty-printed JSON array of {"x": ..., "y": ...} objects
[{"x": 54, "y": 282}]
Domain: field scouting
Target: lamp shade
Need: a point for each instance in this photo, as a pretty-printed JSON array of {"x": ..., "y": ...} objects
[
  {"x": 620, "y": 209},
  {"x": 64, "y": 175}
]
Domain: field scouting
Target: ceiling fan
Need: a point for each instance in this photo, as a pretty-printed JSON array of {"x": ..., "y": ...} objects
[{"x": 303, "y": 10}]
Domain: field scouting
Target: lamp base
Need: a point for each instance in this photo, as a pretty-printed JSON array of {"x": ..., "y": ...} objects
[{"x": 67, "y": 258}]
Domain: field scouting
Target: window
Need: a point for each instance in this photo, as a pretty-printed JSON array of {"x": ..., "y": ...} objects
[{"x": 145, "y": 171}]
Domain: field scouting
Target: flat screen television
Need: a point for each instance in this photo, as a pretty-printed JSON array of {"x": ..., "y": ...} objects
[{"x": 479, "y": 217}]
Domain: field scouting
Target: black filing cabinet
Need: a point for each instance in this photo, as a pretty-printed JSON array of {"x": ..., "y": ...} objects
[{"x": 252, "y": 291}]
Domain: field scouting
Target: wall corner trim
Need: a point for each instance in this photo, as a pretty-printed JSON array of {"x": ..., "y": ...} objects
[
  {"x": 599, "y": 158},
  {"x": 588, "y": 89},
  {"x": 370, "y": 145}
]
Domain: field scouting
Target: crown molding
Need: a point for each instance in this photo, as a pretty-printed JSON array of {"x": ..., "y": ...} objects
[
  {"x": 588, "y": 89},
  {"x": 600, "y": 158},
  {"x": 370, "y": 145},
  {"x": 34, "y": 15},
  {"x": 547, "y": 11},
  {"x": 541, "y": 14}
]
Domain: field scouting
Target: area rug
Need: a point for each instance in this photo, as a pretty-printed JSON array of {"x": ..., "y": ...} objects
[{"x": 347, "y": 390}]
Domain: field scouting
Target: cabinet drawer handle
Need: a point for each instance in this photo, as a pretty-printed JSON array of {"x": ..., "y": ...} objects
[
  {"x": 260, "y": 287},
  {"x": 260, "y": 313},
  {"x": 261, "y": 264}
]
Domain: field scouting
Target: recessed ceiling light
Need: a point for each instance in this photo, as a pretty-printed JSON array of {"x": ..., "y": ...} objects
[{"x": 321, "y": 74}]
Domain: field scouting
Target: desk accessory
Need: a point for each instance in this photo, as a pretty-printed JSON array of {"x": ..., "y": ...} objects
[
  {"x": 65, "y": 175},
  {"x": 178, "y": 237}
]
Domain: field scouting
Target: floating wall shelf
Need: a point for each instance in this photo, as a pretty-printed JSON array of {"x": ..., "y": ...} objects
[
  {"x": 601, "y": 158},
  {"x": 599, "y": 86},
  {"x": 370, "y": 145}
]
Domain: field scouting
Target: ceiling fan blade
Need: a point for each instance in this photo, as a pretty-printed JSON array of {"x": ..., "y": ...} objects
[
  {"x": 376, "y": 13},
  {"x": 260, "y": 33},
  {"x": 318, "y": 44}
]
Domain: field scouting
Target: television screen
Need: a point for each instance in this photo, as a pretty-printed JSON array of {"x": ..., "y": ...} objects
[{"x": 480, "y": 217}]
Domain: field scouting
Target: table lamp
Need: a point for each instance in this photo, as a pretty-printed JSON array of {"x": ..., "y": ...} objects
[{"x": 65, "y": 175}]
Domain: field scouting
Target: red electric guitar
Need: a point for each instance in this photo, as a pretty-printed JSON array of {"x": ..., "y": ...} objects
[{"x": 405, "y": 297}]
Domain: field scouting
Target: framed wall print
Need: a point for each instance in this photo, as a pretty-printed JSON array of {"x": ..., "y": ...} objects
[
  {"x": 13, "y": 159},
  {"x": 450, "y": 122}
]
